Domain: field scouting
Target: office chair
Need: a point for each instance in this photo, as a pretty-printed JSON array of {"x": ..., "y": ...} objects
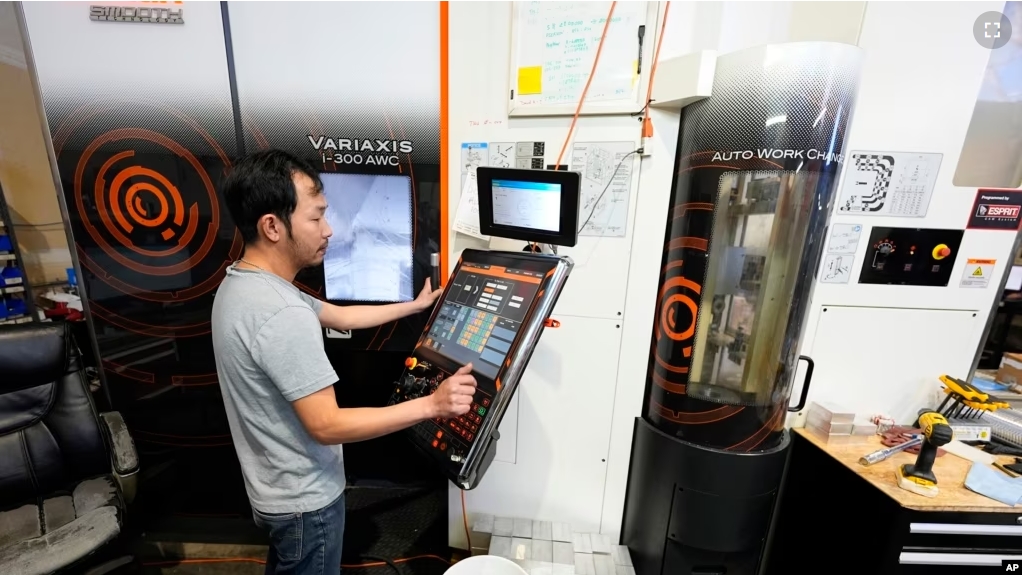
[{"x": 67, "y": 471}]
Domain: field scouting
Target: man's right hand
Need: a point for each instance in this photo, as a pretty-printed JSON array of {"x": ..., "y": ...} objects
[{"x": 453, "y": 397}]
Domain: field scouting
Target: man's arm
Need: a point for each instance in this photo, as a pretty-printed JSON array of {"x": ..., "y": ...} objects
[
  {"x": 363, "y": 316},
  {"x": 289, "y": 348},
  {"x": 331, "y": 425}
]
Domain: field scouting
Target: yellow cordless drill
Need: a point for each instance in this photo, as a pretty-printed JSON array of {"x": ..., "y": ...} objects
[{"x": 918, "y": 477}]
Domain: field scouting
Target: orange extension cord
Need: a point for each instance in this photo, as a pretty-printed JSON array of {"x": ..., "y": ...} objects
[
  {"x": 581, "y": 100},
  {"x": 647, "y": 124}
]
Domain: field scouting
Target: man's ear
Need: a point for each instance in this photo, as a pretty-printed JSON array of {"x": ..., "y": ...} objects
[{"x": 271, "y": 228}]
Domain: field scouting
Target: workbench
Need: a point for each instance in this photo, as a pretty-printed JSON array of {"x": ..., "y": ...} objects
[{"x": 839, "y": 516}]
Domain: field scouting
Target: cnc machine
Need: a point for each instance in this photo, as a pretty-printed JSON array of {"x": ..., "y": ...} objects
[{"x": 757, "y": 163}]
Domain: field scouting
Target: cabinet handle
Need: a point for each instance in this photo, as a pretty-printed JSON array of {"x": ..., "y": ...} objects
[
  {"x": 964, "y": 529},
  {"x": 955, "y": 559}
]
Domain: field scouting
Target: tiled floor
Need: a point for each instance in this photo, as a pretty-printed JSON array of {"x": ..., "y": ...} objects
[{"x": 552, "y": 548}]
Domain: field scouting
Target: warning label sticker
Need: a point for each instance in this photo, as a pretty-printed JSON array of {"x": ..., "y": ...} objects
[{"x": 977, "y": 273}]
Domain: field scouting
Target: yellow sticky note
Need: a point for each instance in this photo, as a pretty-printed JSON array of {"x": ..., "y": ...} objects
[
  {"x": 530, "y": 80},
  {"x": 635, "y": 71}
]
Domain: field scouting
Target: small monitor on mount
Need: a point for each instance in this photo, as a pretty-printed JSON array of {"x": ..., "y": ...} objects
[{"x": 538, "y": 206}]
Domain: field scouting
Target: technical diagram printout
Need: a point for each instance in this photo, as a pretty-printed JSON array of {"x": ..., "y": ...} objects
[
  {"x": 473, "y": 155},
  {"x": 606, "y": 169},
  {"x": 502, "y": 154},
  {"x": 888, "y": 183},
  {"x": 466, "y": 219},
  {"x": 837, "y": 269},
  {"x": 844, "y": 238}
]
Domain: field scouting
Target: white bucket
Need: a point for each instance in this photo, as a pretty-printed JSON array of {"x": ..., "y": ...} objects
[{"x": 485, "y": 565}]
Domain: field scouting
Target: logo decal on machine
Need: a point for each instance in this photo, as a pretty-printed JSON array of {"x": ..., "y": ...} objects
[
  {"x": 996, "y": 210},
  {"x": 359, "y": 151},
  {"x": 145, "y": 14}
]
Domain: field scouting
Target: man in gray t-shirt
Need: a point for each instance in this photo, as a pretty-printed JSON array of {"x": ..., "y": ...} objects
[{"x": 276, "y": 380}]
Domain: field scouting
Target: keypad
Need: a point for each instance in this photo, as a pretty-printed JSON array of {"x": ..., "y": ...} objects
[{"x": 465, "y": 426}]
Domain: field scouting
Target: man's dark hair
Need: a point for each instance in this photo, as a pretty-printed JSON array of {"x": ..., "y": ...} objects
[{"x": 261, "y": 183}]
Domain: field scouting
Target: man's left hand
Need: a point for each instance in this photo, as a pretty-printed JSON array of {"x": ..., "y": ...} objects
[{"x": 427, "y": 297}]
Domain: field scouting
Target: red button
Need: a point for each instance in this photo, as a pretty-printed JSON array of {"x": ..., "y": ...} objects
[
  {"x": 469, "y": 437},
  {"x": 411, "y": 362},
  {"x": 443, "y": 446},
  {"x": 435, "y": 443},
  {"x": 439, "y": 434},
  {"x": 486, "y": 403}
]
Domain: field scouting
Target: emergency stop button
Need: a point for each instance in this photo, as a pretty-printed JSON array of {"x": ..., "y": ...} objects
[
  {"x": 411, "y": 362},
  {"x": 941, "y": 251}
]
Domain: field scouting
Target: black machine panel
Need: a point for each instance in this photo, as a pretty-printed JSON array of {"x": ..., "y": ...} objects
[
  {"x": 491, "y": 314},
  {"x": 910, "y": 256}
]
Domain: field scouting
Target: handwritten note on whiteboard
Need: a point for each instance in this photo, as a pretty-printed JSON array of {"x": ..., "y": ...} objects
[{"x": 557, "y": 44}]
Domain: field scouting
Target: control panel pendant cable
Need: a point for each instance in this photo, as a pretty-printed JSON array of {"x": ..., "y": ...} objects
[{"x": 585, "y": 90}]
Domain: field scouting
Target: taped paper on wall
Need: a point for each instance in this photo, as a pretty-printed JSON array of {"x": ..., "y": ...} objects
[
  {"x": 606, "y": 169},
  {"x": 502, "y": 154},
  {"x": 466, "y": 220},
  {"x": 889, "y": 184},
  {"x": 837, "y": 269},
  {"x": 844, "y": 239},
  {"x": 473, "y": 155},
  {"x": 977, "y": 273}
]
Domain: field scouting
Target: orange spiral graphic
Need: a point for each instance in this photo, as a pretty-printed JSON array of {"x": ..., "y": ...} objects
[
  {"x": 144, "y": 204},
  {"x": 672, "y": 296},
  {"x": 116, "y": 201},
  {"x": 122, "y": 207}
]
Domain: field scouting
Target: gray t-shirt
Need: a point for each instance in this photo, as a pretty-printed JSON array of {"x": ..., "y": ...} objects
[{"x": 269, "y": 352}]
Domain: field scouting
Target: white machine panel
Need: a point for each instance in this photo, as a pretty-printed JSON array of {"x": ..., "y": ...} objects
[
  {"x": 874, "y": 359},
  {"x": 565, "y": 399}
]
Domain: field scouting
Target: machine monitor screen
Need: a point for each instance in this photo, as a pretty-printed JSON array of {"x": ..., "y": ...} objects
[
  {"x": 1014, "y": 279},
  {"x": 494, "y": 308},
  {"x": 532, "y": 205},
  {"x": 369, "y": 257},
  {"x": 481, "y": 314},
  {"x": 538, "y": 206}
]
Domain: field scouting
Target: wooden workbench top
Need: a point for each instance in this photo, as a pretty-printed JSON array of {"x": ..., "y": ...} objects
[{"x": 949, "y": 469}]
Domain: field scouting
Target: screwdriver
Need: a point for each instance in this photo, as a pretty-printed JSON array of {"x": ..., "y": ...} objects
[{"x": 882, "y": 454}]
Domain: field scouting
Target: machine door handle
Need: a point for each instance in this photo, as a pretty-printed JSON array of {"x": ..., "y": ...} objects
[{"x": 805, "y": 383}]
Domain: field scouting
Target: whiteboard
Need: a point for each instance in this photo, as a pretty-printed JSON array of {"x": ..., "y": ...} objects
[{"x": 553, "y": 45}]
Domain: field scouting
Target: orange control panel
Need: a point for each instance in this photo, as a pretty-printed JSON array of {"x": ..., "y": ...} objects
[
  {"x": 449, "y": 437},
  {"x": 491, "y": 314}
]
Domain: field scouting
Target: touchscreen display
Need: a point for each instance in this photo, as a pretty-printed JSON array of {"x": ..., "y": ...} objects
[
  {"x": 529, "y": 205},
  {"x": 481, "y": 315}
]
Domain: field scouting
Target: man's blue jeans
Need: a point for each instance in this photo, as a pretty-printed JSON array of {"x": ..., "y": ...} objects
[{"x": 304, "y": 543}]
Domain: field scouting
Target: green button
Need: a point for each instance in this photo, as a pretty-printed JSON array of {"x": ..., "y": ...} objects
[{"x": 482, "y": 411}]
